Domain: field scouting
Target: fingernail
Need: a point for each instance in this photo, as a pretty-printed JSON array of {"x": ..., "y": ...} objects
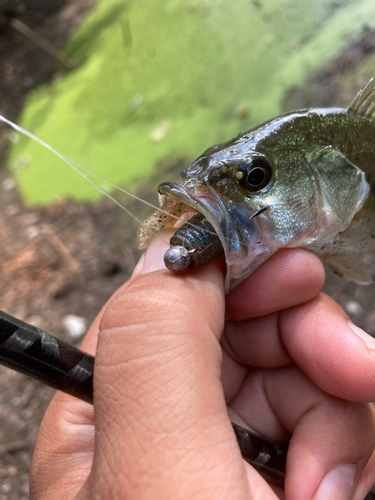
[
  {"x": 138, "y": 268},
  {"x": 152, "y": 259},
  {"x": 368, "y": 340},
  {"x": 338, "y": 484}
]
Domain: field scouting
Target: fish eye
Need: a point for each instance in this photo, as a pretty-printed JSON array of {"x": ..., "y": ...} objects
[{"x": 257, "y": 174}]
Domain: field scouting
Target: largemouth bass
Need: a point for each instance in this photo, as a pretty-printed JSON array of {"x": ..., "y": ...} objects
[{"x": 304, "y": 179}]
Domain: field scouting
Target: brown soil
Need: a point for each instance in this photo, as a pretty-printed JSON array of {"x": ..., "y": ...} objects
[
  {"x": 55, "y": 261},
  {"x": 69, "y": 258}
]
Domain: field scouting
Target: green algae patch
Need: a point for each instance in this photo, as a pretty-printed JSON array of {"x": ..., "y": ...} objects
[{"x": 160, "y": 81}]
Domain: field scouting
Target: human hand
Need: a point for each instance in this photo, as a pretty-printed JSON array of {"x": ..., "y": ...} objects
[{"x": 161, "y": 427}]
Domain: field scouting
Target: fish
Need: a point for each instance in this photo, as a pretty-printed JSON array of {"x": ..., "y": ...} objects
[{"x": 304, "y": 179}]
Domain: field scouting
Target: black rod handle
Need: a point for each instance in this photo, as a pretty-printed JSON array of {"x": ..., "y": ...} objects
[
  {"x": 267, "y": 457},
  {"x": 35, "y": 353}
]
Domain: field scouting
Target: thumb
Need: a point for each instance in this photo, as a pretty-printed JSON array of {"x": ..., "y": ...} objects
[{"x": 162, "y": 429}]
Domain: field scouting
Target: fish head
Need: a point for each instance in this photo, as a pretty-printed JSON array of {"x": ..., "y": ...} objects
[{"x": 261, "y": 195}]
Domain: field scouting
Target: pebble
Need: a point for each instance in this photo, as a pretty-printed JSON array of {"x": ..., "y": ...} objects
[
  {"x": 74, "y": 326},
  {"x": 12, "y": 209},
  {"x": 353, "y": 307},
  {"x": 8, "y": 184},
  {"x": 5, "y": 488},
  {"x": 160, "y": 131},
  {"x": 31, "y": 232}
]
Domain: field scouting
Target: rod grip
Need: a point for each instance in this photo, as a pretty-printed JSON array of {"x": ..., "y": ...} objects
[{"x": 35, "y": 353}]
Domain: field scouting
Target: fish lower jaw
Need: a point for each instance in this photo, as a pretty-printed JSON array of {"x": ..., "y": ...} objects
[
  {"x": 198, "y": 200},
  {"x": 177, "y": 206}
]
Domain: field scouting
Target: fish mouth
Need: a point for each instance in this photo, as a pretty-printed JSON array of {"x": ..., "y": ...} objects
[
  {"x": 239, "y": 233},
  {"x": 202, "y": 200}
]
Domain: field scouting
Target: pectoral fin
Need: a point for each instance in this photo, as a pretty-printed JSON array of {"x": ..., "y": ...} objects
[
  {"x": 343, "y": 185},
  {"x": 349, "y": 266}
]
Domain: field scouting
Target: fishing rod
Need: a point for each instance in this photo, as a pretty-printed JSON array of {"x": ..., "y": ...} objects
[{"x": 33, "y": 352}]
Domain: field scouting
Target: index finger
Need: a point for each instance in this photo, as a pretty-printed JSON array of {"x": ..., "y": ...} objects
[
  {"x": 289, "y": 278},
  {"x": 330, "y": 349}
]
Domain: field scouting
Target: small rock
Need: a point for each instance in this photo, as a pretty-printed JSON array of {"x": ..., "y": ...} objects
[
  {"x": 74, "y": 326},
  {"x": 5, "y": 488},
  {"x": 31, "y": 232},
  {"x": 353, "y": 307},
  {"x": 12, "y": 209},
  {"x": 8, "y": 184},
  {"x": 160, "y": 131}
]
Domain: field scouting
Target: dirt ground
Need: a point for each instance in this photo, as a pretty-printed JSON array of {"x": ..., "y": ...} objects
[
  {"x": 69, "y": 258},
  {"x": 55, "y": 261}
]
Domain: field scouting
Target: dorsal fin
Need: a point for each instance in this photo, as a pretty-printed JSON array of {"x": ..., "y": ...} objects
[{"x": 364, "y": 102}]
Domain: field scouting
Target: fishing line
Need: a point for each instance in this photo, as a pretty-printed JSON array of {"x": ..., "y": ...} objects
[
  {"x": 77, "y": 168},
  {"x": 71, "y": 163},
  {"x": 186, "y": 222}
]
